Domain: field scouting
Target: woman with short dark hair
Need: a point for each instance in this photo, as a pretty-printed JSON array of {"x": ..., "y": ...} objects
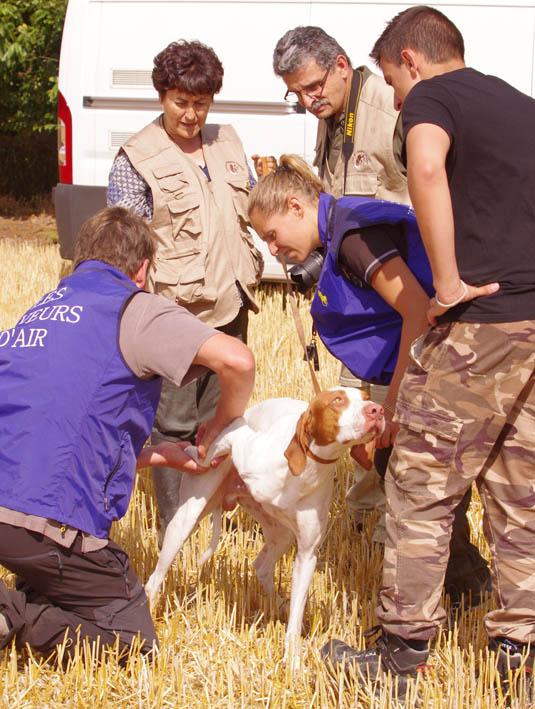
[
  {"x": 189, "y": 66},
  {"x": 191, "y": 180}
]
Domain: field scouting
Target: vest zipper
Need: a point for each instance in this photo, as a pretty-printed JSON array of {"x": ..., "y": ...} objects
[{"x": 108, "y": 481}]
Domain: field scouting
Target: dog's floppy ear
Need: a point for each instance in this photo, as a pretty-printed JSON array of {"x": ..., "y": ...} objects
[{"x": 296, "y": 454}]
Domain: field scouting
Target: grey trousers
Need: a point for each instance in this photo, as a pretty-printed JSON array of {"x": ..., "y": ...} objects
[{"x": 179, "y": 414}]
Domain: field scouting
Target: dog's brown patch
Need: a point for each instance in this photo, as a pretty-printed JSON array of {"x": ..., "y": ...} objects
[
  {"x": 326, "y": 409},
  {"x": 320, "y": 423}
]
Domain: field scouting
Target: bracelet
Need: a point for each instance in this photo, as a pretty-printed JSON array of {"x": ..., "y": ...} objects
[{"x": 456, "y": 301}]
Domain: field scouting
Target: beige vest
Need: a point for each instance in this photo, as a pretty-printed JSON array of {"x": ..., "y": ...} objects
[
  {"x": 372, "y": 170},
  {"x": 204, "y": 246}
]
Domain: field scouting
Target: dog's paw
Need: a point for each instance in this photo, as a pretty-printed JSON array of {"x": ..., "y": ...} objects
[
  {"x": 152, "y": 588},
  {"x": 193, "y": 452},
  {"x": 292, "y": 656}
]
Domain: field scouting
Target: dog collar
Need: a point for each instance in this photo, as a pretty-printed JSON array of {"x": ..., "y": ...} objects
[{"x": 315, "y": 457}]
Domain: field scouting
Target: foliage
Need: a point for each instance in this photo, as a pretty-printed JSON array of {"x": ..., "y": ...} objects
[
  {"x": 29, "y": 164},
  {"x": 30, "y": 38}
]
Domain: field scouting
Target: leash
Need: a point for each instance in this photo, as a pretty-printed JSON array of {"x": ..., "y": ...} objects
[{"x": 299, "y": 324}]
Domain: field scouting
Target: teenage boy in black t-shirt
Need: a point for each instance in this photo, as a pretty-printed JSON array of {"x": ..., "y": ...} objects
[{"x": 466, "y": 406}]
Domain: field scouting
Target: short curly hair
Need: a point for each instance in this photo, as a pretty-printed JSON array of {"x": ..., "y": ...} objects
[{"x": 191, "y": 67}]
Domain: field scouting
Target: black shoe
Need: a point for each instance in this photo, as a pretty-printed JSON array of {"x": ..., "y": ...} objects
[
  {"x": 511, "y": 657},
  {"x": 391, "y": 654}
]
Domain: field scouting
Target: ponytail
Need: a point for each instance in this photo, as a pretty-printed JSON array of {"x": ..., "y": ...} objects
[{"x": 292, "y": 176}]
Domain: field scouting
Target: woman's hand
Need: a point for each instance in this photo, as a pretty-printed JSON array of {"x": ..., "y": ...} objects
[{"x": 388, "y": 436}]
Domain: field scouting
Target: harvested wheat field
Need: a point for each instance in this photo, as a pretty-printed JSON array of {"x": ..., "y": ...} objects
[{"x": 221, "y": 639}]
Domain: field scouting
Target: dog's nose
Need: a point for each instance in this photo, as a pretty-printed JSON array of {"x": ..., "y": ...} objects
[{"x": 373, "y": 412}]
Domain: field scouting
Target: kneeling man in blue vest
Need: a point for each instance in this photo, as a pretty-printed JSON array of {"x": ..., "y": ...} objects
[{"x": 80, "y": 379}]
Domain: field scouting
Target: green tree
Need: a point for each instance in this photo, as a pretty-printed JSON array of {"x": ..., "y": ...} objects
[{"x": 30, "y": 39}]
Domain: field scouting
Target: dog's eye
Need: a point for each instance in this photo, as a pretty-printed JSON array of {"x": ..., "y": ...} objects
[{"x": 338, "y": 401}]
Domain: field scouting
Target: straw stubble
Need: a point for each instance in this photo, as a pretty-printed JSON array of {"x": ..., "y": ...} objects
[{"x": 221, "y": 638}]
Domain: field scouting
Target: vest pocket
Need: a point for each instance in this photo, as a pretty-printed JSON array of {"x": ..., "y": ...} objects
[
  {"x": 183, "y": 278},
  {"x": 257, "y": 260},
  {"x": 185, "y": 217},
  {"x": 361, "y": 184},
  {"x": 170, "y": 178},
  {"x": 118, "y": 483},
  {"x": 240, "y": 193}
]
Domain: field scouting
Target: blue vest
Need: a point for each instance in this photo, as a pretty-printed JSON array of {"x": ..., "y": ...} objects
[
  {"x": 73, "y": 415},
  {"x": 357, "y": 326}
]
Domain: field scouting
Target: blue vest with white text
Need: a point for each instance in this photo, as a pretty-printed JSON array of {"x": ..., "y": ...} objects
[
  {"x": 356, "y": 325},
  {"x": 73, "y": 415}
]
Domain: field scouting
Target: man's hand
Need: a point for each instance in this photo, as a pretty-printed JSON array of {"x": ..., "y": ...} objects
[
  {"x": 264, "y": 165},
  {"x": 172, "y": 455},
  {"x": 233, "y": 362},
  {"x": 207, "y": 432},
  {"x": 472, "y": 292}
]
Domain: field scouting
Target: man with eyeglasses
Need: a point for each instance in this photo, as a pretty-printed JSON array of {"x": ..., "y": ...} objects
[
  {"x": 358, "y": 152},
  {"x": 319, "y": 76}
]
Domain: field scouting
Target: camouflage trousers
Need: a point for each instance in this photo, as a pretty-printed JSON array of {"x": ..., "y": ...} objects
[
  {"x": 467, "y": 571},
  {"x": 467, "y": 413}
]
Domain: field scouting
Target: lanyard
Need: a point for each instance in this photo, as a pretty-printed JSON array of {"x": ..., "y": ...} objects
[
  {"x": 350, "y": 119},
  {"x": 309, "y": 351}
]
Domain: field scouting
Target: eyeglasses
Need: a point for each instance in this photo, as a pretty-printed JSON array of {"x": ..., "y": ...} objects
[{"x": 313, "y": 91}]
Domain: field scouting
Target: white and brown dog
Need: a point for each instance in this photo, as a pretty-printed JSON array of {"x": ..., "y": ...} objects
[{"x": 283, "y": 454}]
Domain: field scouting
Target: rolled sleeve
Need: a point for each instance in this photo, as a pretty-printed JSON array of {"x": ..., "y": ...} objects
[
  {"x": 158, "y": 337},
  {"x": 363, "y": 252}
]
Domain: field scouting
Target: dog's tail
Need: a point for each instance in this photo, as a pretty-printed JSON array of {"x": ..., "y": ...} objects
[{"x": 217, "y": 520}]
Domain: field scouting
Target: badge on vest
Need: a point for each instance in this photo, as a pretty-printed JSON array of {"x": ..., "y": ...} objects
[
  {"x": 233, "y": 167},
  {"x": 361, "y": 161},
  {"x": 322, "y": 297}
]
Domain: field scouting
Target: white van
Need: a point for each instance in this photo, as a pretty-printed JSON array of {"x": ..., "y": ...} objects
[{"x": 106, "y": 92}]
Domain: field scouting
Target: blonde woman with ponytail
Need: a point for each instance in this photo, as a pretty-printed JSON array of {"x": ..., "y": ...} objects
[
  {"x": 370, "y": 303},
  {"x": 366, "y": 256}
]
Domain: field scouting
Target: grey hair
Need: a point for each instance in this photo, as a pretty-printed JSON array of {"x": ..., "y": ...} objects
[{"x": 304, "y": 43}]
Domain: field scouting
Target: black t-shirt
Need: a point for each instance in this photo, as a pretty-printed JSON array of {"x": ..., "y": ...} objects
[
  {"x": 363, "y": 252},
  {"x": 491, "y": 174}
]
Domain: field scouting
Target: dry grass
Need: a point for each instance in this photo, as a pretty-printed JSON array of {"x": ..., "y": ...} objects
[
  {"x": 27, "y": 220},
  {"x": 221, "y": 639}
]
